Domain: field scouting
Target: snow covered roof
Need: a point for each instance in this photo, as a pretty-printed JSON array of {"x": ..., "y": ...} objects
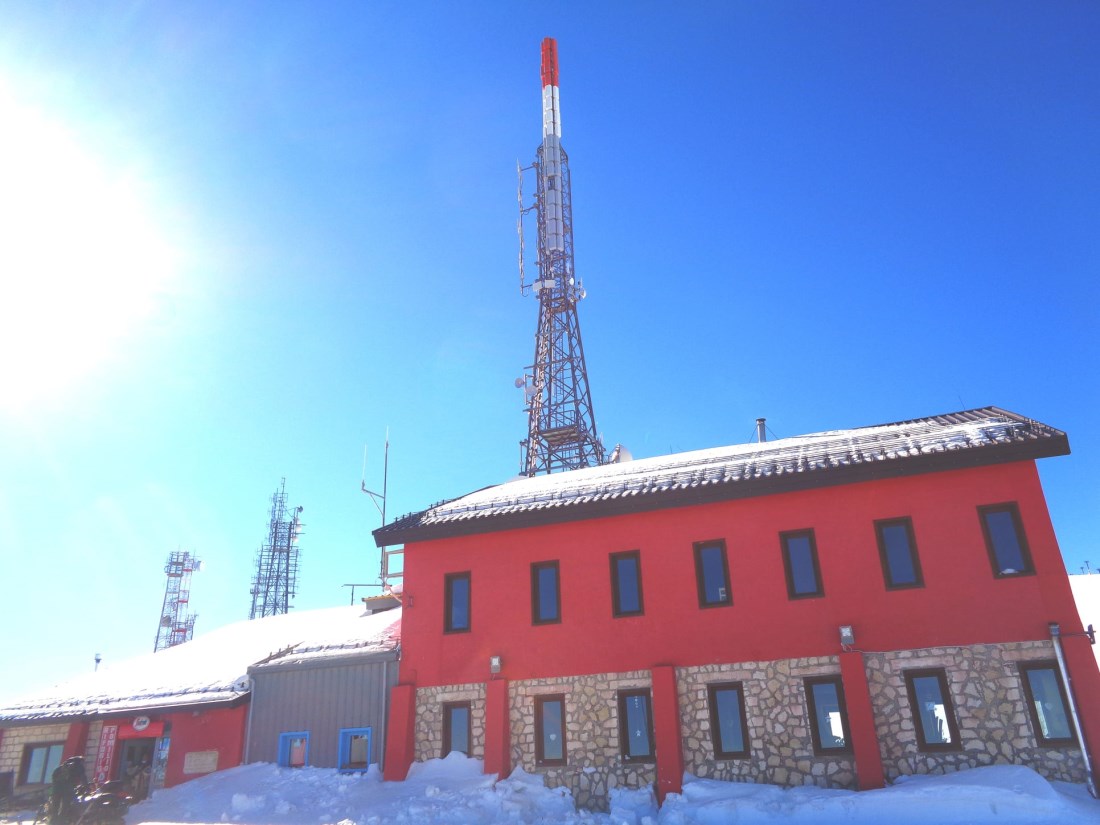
[
  {"x": 212, "y": 668},
  {"x": 963, "y": 439}
]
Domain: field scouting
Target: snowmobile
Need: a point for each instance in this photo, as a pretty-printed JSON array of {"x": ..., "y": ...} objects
[{"x": 105, "y": 804}]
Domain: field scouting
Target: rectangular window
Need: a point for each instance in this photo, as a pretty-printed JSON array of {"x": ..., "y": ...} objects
[
  {"x": 712, "y": 574},
  {"x": 294, "y": 749},
  {"x": 728, "y": 727},
  {"x": 626, "y": 584},
  {"x": 545, "y": 593},
  {"x": 550, "y": 730},
  {"x": 354, "y": 753},
  {"x": 39, "y": 762},
  {"x": 933, "y": 713},
  {"x": 635, "y": 725},
  {"x": 897, "y": 550},
  {"x": 800, "y": 564},
  {"x": 828, "y": 715},
  {"x": 1005, "y": 540},
  {"x": 1047, "y": 704},
  {"x": 456, "y": 602},
  {"x": 456, "y": 727}
]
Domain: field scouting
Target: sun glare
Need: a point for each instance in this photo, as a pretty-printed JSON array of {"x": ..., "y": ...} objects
[{"x": 81, "y": 260}]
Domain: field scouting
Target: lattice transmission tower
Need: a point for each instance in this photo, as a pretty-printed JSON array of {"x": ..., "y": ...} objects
[
  {"x": 177, "y": 624},
  {"x": 276, "y": 581},
  {"x": 561, "y": 426}
]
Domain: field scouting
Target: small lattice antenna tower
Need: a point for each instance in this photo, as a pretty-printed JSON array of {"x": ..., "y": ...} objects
[
  {"x": 177, "y": 624},
  {"x": 561, "y": 425},
  {"x": 276, "y": 581}
]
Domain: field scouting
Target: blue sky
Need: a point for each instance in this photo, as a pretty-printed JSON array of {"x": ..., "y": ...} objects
[{"x": 244, "y": 239}]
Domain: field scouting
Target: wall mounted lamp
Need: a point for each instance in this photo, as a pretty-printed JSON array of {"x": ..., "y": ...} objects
[
  {"x": 494, "y": 664},
  {"x": 847, "y": 635}
]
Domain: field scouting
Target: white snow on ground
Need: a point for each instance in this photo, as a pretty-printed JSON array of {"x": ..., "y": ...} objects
[{"x": 453, "y": 791}]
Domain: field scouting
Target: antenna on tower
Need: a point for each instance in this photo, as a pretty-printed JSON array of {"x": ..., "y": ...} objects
[
  {"x": 387, "y": 570},
  {"x": 561, "y": 425},
  {"x": 176, "y": 625},
  {"x": 276, "y": 581}
]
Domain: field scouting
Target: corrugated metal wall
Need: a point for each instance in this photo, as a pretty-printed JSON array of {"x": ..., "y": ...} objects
[{"x": 322, "y": 698}]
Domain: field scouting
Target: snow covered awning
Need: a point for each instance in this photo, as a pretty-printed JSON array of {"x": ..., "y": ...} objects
[{"x": 944, "y": 442}]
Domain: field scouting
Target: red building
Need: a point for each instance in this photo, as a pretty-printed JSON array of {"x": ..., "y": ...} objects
[
  {"x": 167, "y": 717},
  {"x": 838, "y": 609}
]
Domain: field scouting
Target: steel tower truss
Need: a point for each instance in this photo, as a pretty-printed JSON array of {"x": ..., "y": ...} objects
[
  {"x": 176, "y": 624},
  {"x": 276, "y": 581},
  {"x": 561, "y": 425}
]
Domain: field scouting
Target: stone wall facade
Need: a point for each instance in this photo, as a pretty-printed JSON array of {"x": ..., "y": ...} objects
[
  {"x": 986, "y": 688},
  {"x": 984, "y": 682},
  {"x": 429, "y": 718},
  {"x": 594, "y": 761},
  {"x": 781, "y": 749},
  {"x": 17, "y": 738}
]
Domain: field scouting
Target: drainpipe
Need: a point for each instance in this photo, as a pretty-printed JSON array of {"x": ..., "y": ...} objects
[
  {"x": 248, "y": 724},
  {"x": 385, "y": 711},
  {"x": 1056, "y": 639}
]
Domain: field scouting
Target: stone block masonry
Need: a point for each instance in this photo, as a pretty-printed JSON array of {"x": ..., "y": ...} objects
[
  {"x": 987, "y": 690},
  {"x": 984, "y": 682},
  {"x": 429, "y": 719}
]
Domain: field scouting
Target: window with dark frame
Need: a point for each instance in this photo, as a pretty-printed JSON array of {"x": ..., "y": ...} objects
[
  {"x": 456, "y": 603},
  {"x": 550, "y": 746},
  {"x": 933, "y": 711},
  {"x": 545, "y": 593},
  {"x": 1005, "y": 540},
  {"x": 729, "y": 728},
  {"x": 39, "y": 762},
  {"x": 800, "y": 564},
  {"x": 636, "y": 725},
  {"x": 897, "y": 549},
  {"x": 626, "y": 584},
  {"x": 1047, "y": 704},
  {"x": 828, "y": 715},
  {"x": 457, "y": 731},
  {"x": 712, "y": 575}
]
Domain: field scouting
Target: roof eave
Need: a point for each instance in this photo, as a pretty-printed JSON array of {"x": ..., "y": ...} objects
[{"x": 1054, "y": 444}]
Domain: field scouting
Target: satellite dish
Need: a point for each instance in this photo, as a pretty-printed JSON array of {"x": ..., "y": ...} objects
[
  {"x": 620, "y": 454},
  {"x": 520, "y": 382}
]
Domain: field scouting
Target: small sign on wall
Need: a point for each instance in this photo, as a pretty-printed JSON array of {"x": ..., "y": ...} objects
[{"x": 197, "y": 762}]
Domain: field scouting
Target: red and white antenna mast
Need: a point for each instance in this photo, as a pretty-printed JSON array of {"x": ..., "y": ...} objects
[{"x": 561, "y": 426}]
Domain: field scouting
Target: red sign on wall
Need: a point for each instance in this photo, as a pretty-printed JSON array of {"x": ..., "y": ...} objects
[{"x": 104, "y": 756}]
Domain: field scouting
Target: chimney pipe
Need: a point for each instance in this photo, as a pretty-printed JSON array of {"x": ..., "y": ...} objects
[{"x": 761, "y": 433}]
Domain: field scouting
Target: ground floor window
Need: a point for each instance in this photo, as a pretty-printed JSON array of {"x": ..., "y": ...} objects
[
  {"x": 728, "y": 726},
  {"x": 933, "y": 713},
  {"x": 550, "y": 730},
  {"x": 828, "y": 715},
  {"x": 456, "y": 727},
  {"x": 40, "y": 761},
  {"x": 355, "y": 749},
  {"x": 294, "y": 749},
  {"x": 636, "y": 725},
  {"x": 1046, "y": 703}
]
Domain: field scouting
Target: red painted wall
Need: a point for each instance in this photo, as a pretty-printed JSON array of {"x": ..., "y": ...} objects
[
  {"x": 961, "y": 602},
  {"x": 220, "y": 729}
]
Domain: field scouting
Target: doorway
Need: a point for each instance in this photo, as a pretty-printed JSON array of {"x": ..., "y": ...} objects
[{"x": 135, "y": 764}]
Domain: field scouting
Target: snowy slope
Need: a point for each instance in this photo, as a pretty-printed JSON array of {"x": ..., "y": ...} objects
[
  {"x": 453, "y": 791},
  {"x": 212, "y": 667}
]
